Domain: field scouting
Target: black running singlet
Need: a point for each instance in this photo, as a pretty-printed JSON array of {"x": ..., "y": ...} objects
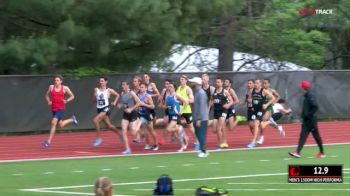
[
  {"x": 258, "y": 99},
  {"x": 219, "y": 99}
]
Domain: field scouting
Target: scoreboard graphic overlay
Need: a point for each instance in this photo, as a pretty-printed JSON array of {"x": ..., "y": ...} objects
[{"x": 315, "y": 174}]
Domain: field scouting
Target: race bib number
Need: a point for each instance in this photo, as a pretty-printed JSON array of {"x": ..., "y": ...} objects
[
  {"x": 253, "y": 117},
  {"x": 223, "y": 115},
  {"x": 216, "y": 100},
  {"x": 101, "y": 102},
  {"x": 259, "y": 113}
]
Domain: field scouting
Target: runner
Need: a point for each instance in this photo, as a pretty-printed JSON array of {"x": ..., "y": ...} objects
[
  {"x": 186, "y": 112},
  {"x": 248, "y": 102},
  {"x": 146, "y": 117},
  {"x": 231, "y": 114},
  {"x": 101, "y": 98},
  {"x": 172, "y": 102},
  {"x": 259, "y": 108},
  {"x": 129, "y": 104},
  {"x": 269, "y": 110},
  {"x": 55, "y": 96},
  {"x": 279, "y": 109},
  {"x": 140, "y": 135},
  {"x": 162, "y": 104},
  {"x": 153, "y": 91},
  {"x": 221, "y": 100}
]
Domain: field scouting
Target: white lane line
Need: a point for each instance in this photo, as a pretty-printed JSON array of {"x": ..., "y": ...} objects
[
  {"x": 134, "y": 168},
  {"x": 264, "y": 160},
  {"x": 17, "y": 174},
  {"x": 286, "y": 159},
  {"x": 310, "y": 157},
  {"x": 334, "y": 156},
  {"x": 161, "y": 166},
  {"x": 77, "y": 171},
  {"x": 47, "y": 173},
  {"x": 188, "y": 164},
  {"x": 158, "y": 153},
  {"x": 214, "y": 163},
  {"x": 106, "y": 169},
  {"x": 239, "y": 161}
]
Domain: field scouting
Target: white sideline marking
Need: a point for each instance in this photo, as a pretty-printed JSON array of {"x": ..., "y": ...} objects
[
  {"x": 346, "y": 177},
  {"x": 286, "y": 159},
  {"x": 17, "y": 174},
  {"x": 239, "y": 161},
  {"x": 54, "y": 189},
  {"x": 214, "y": 163},
  {"x": 264, "y": 160},
  {"x": 346, "y": 172},
  {"x": 310, "y": 157},
  {"x": 161, "y": 166},
  {"x": 165, "y": 153},
  {"x": 188, "y": 164},
  {"x": 134, "y": 168},
  {"x": 259, "y": 189},
  {"x": 48, "y": 172},
  {"x": 106, "y": 169},
  {"x": 152, "y": 182},
  {"x": 77, "y": 171},
  {"x": 334, "y": 156},
  {"x": 66, "y": 192}
]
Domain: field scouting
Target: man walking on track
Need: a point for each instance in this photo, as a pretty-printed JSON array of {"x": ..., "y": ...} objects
[
  {"x": 55, "y": 96},
  {"x": 200, "y": 114},
  {"x": 309, "y": 117}
]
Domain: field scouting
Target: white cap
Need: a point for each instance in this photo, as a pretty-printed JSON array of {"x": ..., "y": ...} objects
[{"x": 196, "y": 80}]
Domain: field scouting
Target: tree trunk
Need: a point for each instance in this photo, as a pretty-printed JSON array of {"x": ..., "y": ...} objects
[{"x": 226, "y": 46}]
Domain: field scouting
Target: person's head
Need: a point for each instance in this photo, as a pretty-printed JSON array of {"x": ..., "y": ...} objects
[
  {"x": 171, "y": 87},
  {"x": 58, "y": 79},
  {"x": 266, "y": 83},
  {"x": 219, "y": 82},
  {"x": 227, "y": 83},
  {"x": 257, "y": 83},
  {"x": 305, "y": 85},
  {"x": 183, "y": 80},
  {"x": 205, "y": 79},
  {"x": 166, "y": 83},
  {"x": 103, "y": 187},
  {"x": 136, "y": 81},
  {"x": 103, "y": 81},
  {"x": 250, "y": 84},
  {"x": 196, "y": 82},
  {"x": 281, "y": 101},
  {"x": 146, "y": 78},
  {"x": 125, "y": 86},
  {"x": 143, "y": 87}
]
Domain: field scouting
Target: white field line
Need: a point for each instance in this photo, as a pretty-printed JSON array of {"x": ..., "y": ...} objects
[
  {"x": 259, "y": 190},
  {"x": 54, "y": 189},
  {"x": 66, "y": 192},
  {"x": 152, "y": 182},
  {"x": 165, "y": 153}
]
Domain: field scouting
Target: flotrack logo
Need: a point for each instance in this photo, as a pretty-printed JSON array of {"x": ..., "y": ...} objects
[{"x": 315, "y": 11}]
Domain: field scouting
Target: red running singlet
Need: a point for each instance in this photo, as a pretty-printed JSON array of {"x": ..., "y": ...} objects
[{"x": 57, "y": 99}]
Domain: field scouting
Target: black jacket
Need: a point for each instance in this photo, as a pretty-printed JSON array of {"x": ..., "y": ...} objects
[{"x": 309, "y": 107}]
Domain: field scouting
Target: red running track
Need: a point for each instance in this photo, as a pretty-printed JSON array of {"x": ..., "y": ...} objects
[{"x": 66, "y": 145}]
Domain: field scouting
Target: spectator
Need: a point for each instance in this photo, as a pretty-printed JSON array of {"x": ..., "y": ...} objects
[{"x": 103, "y": 187}]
